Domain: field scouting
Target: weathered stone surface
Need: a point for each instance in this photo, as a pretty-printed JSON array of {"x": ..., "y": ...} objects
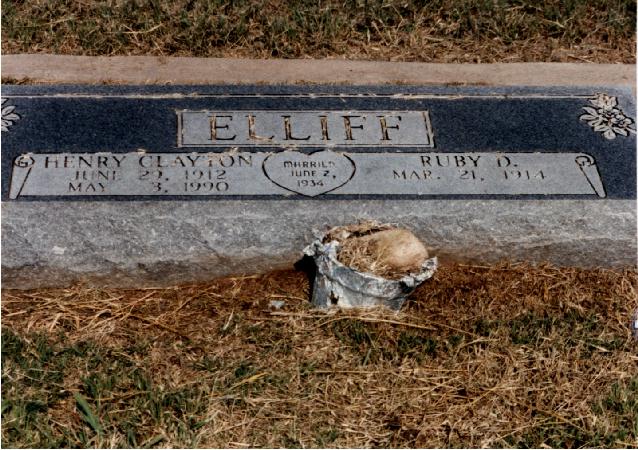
[
  {"x": 161, "y": 243},
  {"x": 580, "y": 211}
]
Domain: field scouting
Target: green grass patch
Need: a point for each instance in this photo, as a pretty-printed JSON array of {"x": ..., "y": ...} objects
[
  {"x": 110, "y": 396},
  {"x": 548, "y": 351}
]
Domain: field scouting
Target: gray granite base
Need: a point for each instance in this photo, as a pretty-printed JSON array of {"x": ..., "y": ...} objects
[{"x": 133, "y": 244}]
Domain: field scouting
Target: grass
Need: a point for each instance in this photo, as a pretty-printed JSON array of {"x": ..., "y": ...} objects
[
  {"x": 396, "y": 30},
  {"x": 500, "y": 356}
]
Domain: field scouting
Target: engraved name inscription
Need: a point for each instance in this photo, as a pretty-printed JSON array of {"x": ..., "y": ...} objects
[
  {"x": 307, "y": 128},
  {"x": 325, "y": 173}
]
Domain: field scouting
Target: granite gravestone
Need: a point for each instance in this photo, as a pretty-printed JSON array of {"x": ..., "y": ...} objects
[{"x": 128, "y": 185}]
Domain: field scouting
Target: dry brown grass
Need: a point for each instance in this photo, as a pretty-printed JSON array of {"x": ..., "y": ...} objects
[
  {"x": 447, "y": 31},
  {"x": 384, "y": 250},
  {"x": 505, "y": 355},
  {"x": 362, "y": 255}
]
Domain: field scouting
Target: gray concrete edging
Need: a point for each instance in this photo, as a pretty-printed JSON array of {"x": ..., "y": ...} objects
[{"x": 44, "y": 68}]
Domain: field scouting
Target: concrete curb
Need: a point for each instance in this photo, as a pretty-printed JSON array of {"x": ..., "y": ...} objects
[{"x": 43, "y": 68}]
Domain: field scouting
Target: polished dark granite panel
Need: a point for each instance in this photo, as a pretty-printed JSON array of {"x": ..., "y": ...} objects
[{"x": 462, "y": 120}]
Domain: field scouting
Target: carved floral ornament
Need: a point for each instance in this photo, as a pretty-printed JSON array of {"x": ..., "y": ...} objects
[
  {"x": 8, "y": 116},
  {"x": 605, "y": 117}
]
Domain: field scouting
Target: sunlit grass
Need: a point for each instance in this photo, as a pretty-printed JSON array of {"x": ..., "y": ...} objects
[
  {"x": 498, "y": 356},
  {"x": 396, "y": 30}
]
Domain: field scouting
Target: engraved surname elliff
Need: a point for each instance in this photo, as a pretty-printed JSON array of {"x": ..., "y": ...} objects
[{"x": 292, "y": 128}]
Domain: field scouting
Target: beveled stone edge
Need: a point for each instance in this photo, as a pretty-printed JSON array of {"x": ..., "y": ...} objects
[
  {"x": 483, "y": 240},
  {"x": 46, "y": 68}
]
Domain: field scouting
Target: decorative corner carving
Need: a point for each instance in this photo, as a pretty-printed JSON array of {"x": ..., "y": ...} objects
[
  {"x": 8, "y": 115},
  {"x": 605, "y": 117}
]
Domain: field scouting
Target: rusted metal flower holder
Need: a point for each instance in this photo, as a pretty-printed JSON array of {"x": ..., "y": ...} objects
[{"x": 337, "y": 285}]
